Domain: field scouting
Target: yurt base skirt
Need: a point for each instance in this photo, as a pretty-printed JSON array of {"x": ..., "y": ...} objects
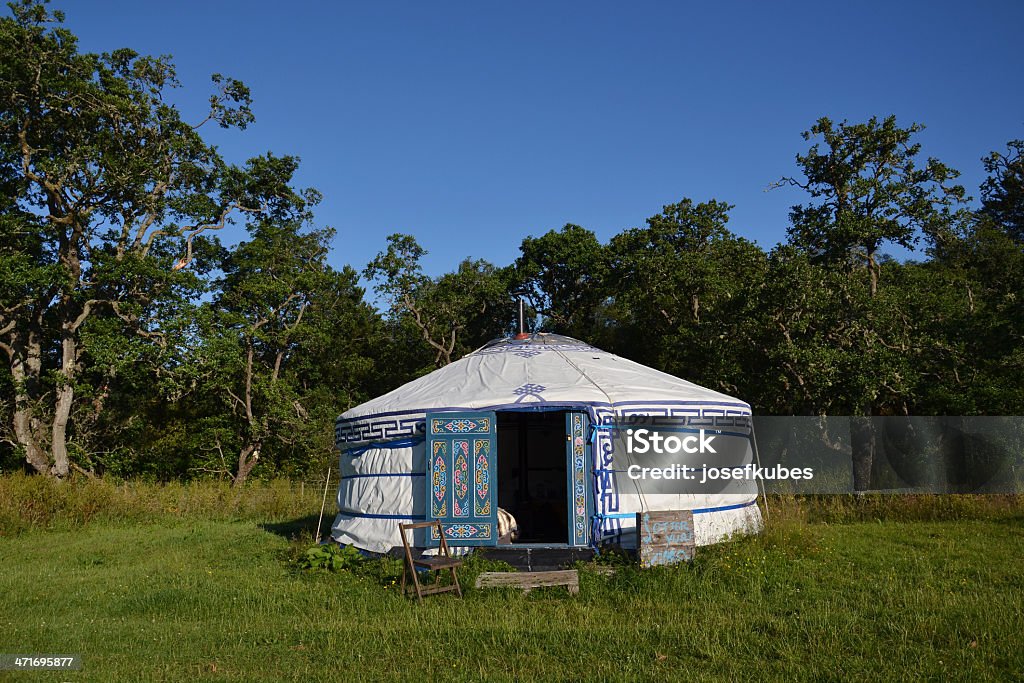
[
  {"x": 378, "y": 533},
  {"x": 710, "y": 525}
]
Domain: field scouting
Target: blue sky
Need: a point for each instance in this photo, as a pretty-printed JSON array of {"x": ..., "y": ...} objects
[{"x": 474, "y": 124}]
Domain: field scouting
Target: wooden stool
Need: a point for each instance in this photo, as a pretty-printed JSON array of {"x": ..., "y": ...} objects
[{"x": 443, "y": 560}]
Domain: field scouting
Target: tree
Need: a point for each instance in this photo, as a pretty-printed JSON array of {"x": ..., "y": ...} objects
[
  {"x": 679, "y": 283},
  {"x": 1002, "y": 193},
  {"x": 871, "y": 192},
  {"x": 110, "y": 186},
  {"x": 450, "y": 313},
  {"x": 256, "y": 328},
  {"x": 563, "y": 273},
  {"x": 981, "y": 268},
  {"x": 342, "y": 360}
]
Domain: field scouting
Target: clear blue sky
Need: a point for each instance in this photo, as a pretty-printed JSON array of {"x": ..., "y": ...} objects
[{"x": 474, "y": 124}]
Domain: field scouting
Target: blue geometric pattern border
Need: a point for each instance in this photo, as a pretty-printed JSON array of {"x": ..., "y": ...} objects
[
  {"x": 529, "y": 350},
  {"x": 409, "y": 423}
]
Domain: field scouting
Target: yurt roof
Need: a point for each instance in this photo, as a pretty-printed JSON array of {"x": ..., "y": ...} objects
[{"x": 534, "y": 373}]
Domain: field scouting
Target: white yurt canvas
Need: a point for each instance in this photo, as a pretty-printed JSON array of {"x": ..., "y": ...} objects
[{"x": 521, "y": 421}]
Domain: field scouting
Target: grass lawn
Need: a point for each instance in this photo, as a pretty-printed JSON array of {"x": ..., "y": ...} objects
[{"x": 184, "y": 598}]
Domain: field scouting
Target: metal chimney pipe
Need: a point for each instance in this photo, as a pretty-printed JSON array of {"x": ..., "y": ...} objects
[{"x": 522, "y": 316}]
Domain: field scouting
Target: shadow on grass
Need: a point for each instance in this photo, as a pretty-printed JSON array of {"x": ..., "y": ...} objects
[{"x": 297, "y": 528}]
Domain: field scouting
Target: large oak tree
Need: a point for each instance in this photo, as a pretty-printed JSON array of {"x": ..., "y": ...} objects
[{"x": 108, "y": 192}]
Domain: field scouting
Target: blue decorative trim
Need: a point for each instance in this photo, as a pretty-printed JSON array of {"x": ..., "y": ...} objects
[
  {"x": 577, "y": 449},
  {"x": 384, "y": 445},
  {"x": 410, "y": 423},
  {"x": 368, "y": 515},
  {"x": 698, "y": 511},
  {"x": 384, "y": 474},
  {"x": 462, "y": 455},
  {"x": 698, "y": 413},
  {"x": 724, "y": 508},
  {"x": 528, "y": 350},
  {"x": 677, "y": 430},
  {"x": 396, "y": 425},
  {"x": 529, "y": 390}
]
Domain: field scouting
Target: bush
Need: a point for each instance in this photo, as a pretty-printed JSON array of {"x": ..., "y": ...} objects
[{"x": 331, "y": 557}]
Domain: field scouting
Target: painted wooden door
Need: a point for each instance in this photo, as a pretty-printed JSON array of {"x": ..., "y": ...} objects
[
  {"x": 462, "y": 477},
  {"x": 578, "y": 457}
]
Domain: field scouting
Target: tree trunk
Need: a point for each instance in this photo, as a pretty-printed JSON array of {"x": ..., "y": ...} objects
[
  {"x": 862, "y": 441},
  {"x": 247, "y": 458},
  {"x": 26, "y": 365},
  {"x": 34, "y": 455},
  {"x": 59, "y": 442},
  {"x": 62, "y": 407},
  {"x": 873, "y": 271}
]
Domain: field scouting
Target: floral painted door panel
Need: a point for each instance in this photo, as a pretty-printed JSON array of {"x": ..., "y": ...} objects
[
  {"x": 578, "y": 455},
  {"x": 461, "y": 477}
]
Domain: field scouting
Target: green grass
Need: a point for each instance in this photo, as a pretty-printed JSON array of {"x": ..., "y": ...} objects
[
  {"x": 823, "y": 594},
  {"x": 35, "y": 503}
]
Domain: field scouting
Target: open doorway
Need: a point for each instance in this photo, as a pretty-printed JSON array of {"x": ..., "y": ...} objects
[{"x": 532, "y": 474}]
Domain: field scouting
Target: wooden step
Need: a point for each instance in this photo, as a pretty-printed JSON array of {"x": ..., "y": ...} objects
[
  {"x": 525, "y": 558},
  {"x": 527, "y": 581}
]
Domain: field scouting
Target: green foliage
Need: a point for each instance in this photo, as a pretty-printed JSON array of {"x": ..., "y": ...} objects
[
  {"x": 331, "y": 557},
  {"x": 680, "y": 288},
  {"x": 840, "y": 342},
  {"x": 870, "y": 193},
  {"x": 451, "y": 314},
  {"x": 975, "y": 323},
  {"x": 1002, "y": 193},
  {"x": 564, "y": 274},
  {"x": 615, "y": 557},
  {"x": 255, "y": 327},
  {"x": 108, "y": 187},
  {"x": 475, "y": 564}
]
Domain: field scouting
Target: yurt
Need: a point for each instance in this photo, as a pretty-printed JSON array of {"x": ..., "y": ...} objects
[{"x": 520, "y": 425}]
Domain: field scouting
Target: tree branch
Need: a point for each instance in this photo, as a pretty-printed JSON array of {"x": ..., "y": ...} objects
[
  {"x": 235, "y": 397},
  {"x": 248, "y": 385},
  {"x": 195, "y": 230},
  {"x": 84, "y": 315},
  {"x": 133, "y": 322}
]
